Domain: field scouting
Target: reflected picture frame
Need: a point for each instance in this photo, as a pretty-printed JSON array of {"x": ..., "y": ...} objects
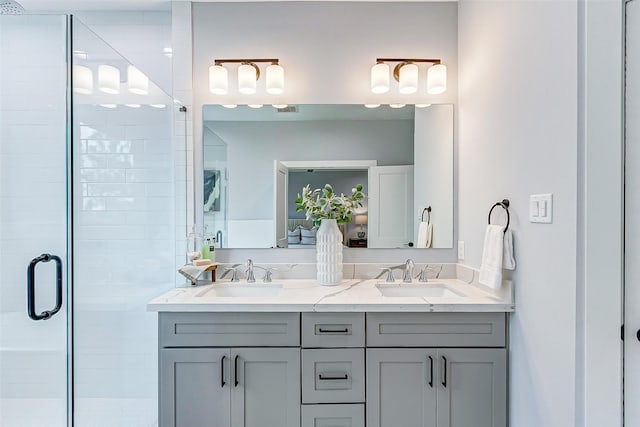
[{"x": 212, "y": 190}]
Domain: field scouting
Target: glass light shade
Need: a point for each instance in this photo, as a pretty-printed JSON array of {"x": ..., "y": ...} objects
[
  {"x": 380, "y": 78},
  {"x": 247, "y": 79},
  {"x": 372, "y": 105},
  {"x": 82, "y": 80},
  {"x": 423, "y": 105},
  {"x": 279, "y": 106},
  {"x": 397, "y": 105},
  {"x": 137, "y": 82},
  {"x": 108, "y": 105},
  {"x": 218, "y": 80},
  {"x": 362, "y": 219},
  {"x": 229, "y": 105},
  {"x": 254, "y": 105},
  {"x": 437, "y": 79},
  {"x": 275, "y": 79},
  {"x": 408, "y": 79},
  {"x": 133, "y": 105},
  {"x": 159, "y": 106},
  {"x": 109, "y": 79}
]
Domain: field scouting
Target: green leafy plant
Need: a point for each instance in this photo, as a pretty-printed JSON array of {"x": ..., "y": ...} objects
[{"x": 323, "y": 203}]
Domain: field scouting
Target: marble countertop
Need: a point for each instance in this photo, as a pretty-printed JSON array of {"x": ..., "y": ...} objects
[{"x": 355, "y": 295}]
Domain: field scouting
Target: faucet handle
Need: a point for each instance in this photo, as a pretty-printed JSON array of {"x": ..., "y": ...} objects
[
  {"x": 267, "y": 275},
  {"x": 234, "y": 273},
  {"x": 422, "y": 276},
  {"x": 390, "y": 278}
]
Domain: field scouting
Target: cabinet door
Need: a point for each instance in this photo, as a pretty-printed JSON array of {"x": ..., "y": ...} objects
[
  {"x": 195, "y": 387},
  {"x": 472, "y": 387},
  {"x": 266, "y": 387},
  {"x": 401, "y": 388}
]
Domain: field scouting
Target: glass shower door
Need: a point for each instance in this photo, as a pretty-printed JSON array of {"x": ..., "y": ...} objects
[{"x": 34, "y": 218}]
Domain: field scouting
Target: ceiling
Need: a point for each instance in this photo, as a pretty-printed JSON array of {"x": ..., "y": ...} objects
[{"x": 113, "y": 5}]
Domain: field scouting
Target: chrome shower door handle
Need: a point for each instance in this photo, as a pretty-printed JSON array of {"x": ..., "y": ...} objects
[{"x": 31, "y": 287}]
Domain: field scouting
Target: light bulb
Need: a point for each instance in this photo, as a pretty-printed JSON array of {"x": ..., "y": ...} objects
[
  {"x": 437, "y": 79},
  {"x": 247, "y": 77},
  {"x": 137, "y": 81},
  {"x": 275, "y": 79},
  {"x": 218, "y": 80},
  {"x": 82, "y": 80},
  {"x": 408, "y": 80},
  {"x": 109, "y": 79},
  {"x": 380, "y": 78}
]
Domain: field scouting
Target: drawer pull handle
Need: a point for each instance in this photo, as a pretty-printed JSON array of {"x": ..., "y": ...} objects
[
  {"x": 430, "y": 371},
  {"x": 333, "y": 331},
  {"x": 444, "y": 381},
  {"x": 222, "y": 383},
  {"x": 235, "y": 370},
  {"x": 342, "y": 378}
]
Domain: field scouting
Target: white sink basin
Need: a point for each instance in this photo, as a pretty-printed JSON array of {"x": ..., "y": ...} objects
[
  {"x": 244, "y": 290},
  {"x": 427, "y": 290}
]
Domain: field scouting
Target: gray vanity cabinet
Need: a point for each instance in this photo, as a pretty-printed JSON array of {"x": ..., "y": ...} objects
[
  {"x": 229, "y": 369},
  {"x": 462, "y": 387},
  {"x": 239, "y": 387},
  {"x": 475, "y": 394},
  {"x": 400, "y": 388},
  {"x": 195, "y": 388}
]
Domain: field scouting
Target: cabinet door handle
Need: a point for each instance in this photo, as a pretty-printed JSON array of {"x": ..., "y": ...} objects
[
  {"x": 222, "y": 383},
  {"x": 444, "y": 380},
  {"x": 430, "y": 371},
  {"x": 341, "y": 378},
  {"x": 235, "y": 370},
  {"x": 333, "y": 331}
]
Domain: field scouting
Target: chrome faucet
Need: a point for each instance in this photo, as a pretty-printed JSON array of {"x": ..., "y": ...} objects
[
  {"x": 408, "y": 271},
  {"x": 250, "y": 277}
]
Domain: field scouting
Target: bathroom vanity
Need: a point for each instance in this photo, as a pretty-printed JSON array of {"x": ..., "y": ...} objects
[{"x": 293, "y": 353}]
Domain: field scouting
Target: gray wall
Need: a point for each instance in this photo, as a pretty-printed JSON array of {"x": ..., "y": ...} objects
[{"x": 518, "y": 136}]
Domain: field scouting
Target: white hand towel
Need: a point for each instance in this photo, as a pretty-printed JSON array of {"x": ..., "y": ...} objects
[
  {"x": 492, "y": 257},
  {"x": 508, "y": 260},
  {"x": 425, "y": 235},
  {"x": 192, "y": 272}
]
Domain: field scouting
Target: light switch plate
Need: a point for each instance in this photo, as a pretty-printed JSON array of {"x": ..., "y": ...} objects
[
  {"x": 541, "y": 208},
  {"x": 460, "y": 249}
]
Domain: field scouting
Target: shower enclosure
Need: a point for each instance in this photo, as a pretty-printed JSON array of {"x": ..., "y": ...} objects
[{"x": 87, "y": 224}]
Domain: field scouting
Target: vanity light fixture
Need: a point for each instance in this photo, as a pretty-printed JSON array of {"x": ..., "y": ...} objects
[
  {"x": 133, "y": 105},
  {"x": 229, "y": 105},
  {"x": 406, "y": 74},
  {"x": 254, "y": 105},
  {"x": 109, "y": 79},
  {"x": 108, "y": 106},
  {"x": 82, "y": 80},
  {"x": 397, "y": 105},
  {"x": 423, "y": 105},
  {"x": 248, "y": 75},
  {"x": 159, "y": 106},
  {"x": 137, "y": 81},
  {"x": 372, "y": 105},
  {"x": 279, "y": 106}
]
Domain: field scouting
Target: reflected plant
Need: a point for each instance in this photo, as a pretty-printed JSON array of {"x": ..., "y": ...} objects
[{"x": 324, "y": 203}]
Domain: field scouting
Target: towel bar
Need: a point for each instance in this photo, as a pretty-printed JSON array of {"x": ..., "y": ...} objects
[
  {"x": 505, "y": 205},
  {"x": 428, "y": 211}
]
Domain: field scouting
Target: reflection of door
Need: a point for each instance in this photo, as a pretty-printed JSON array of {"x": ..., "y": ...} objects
[
  {"x": 390, "y": 206},
  {"x": 33, "y": 220},
  {"x": 280, "y": 184}
]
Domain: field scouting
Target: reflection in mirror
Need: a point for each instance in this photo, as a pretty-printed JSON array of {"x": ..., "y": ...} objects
[{"x": 256, "y": 161}]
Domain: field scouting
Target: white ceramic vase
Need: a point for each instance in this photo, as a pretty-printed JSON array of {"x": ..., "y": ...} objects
[{"x": 329, "y": 253}]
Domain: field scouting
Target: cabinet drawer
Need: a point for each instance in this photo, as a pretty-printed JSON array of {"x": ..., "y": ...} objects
[
  {"x": 436, "y": 330},
  {"x": 229, "y": 329},
  {"x": 333, "y": 329},
  {"x": 333, "y": 415},
  {"x": 333, "y": 376}
]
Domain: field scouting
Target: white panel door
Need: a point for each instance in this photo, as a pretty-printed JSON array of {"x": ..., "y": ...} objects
[
  {"x": 390, "y": 207},
  {"x": 632, "y": 219},
  {"x": 281, "y": 188},
  {"x": 33, "y": 220}
]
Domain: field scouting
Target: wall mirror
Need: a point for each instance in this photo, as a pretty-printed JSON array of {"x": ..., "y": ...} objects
[{"x": 256, "y": 161}]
